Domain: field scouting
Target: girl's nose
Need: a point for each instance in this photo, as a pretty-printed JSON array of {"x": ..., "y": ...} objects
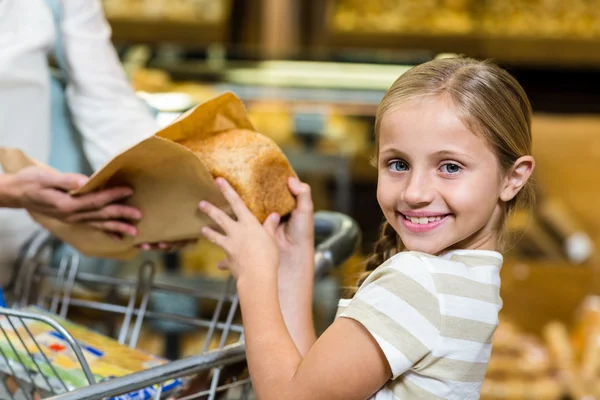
[{"x": 418, "y": 191}]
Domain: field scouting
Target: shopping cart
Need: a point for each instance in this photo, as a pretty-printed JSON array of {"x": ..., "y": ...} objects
[{"x": 218, "y": 372}]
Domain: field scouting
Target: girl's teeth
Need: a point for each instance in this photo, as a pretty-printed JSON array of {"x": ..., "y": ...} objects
[{"x": 422, "y": 220}]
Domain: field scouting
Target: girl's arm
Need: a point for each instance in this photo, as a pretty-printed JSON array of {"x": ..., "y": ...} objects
[
  {"x": 295, "y": 290},
  {"x": 295, "y": 274},
  {"x": 295, "y": 240},
  {"x": 344, "y": 363}
]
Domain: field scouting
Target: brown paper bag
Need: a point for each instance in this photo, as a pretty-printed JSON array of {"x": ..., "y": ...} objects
[{"x": 168, "y": 182}]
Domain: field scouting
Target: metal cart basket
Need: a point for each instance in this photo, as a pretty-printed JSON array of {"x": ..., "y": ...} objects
[{"x": 125, "y": 305}]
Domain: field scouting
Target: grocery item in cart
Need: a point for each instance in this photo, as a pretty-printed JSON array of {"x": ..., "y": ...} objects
[
  {"x": 24, "y": 340},
  {"x": 169, "y": 179}
]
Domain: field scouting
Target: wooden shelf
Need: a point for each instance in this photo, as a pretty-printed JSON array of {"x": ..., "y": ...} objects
[
  {"x": 526, "y": 51},
  {"x": 184, "y": 33}
]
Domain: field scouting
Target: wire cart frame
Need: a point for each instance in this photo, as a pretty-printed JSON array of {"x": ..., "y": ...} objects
[{"x": 217, "y": 372}]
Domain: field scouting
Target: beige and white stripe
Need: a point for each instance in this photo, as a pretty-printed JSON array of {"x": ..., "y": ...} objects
[{"x": 434, "y": 318}]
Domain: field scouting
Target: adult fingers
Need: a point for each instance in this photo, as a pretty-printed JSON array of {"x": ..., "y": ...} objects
[
  {"x": 223, "y": 265},
  {"x": 63, "y": 181},
  {"x": 110, "y": 212},
  {"x": 165, "y": 246},
  {"x": 114, "y": 227},
  {"x": 65, "y": 205},
  {"x": 96, "y": 200}
]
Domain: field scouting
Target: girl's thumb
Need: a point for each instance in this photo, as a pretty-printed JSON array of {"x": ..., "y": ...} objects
[{"x": 271, "y": 223}]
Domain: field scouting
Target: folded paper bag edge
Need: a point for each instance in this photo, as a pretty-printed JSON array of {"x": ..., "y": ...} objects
[
  {"x": 13, "y": 160},
  {"x": 222, "y": 113}
]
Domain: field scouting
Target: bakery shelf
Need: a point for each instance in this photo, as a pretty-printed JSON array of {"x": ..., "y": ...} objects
[
  {"x": 194, "y": 23},
  {"x": 184, "y": 33},
  {"x": 522, "y": 48},
  {"x": 514, "y": 50}
]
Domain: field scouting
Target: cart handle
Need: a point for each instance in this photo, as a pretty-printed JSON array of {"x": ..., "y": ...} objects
[{"x": 342, "y": 237}]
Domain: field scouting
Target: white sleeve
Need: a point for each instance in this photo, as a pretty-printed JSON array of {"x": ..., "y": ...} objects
[
  {"x": 398, "y": 306},
  {"x": 103, "y": 105}
]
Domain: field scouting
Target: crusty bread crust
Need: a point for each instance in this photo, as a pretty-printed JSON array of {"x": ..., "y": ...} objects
[{"x": 253, "y": 164}]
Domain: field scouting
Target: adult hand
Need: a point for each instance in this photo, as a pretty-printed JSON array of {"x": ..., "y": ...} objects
[
  {"x": 44, "y": 191},
  {"x": 167, "y": 246}
]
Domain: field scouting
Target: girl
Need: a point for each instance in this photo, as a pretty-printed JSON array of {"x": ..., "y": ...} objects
[{"x": 453, "y": 158}]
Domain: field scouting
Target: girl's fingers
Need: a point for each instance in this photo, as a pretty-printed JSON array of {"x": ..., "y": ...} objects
[
  {"x": 217, "y": 215},
  {"x": 302, "y": 192},
  {"x": 271, "y": 223},
  {"x": 215, "y": 237},
  {"x": 233, "y": 198}
]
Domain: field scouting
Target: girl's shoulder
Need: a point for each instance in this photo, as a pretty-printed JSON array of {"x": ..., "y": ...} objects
[
  {"x": 401, "y": 266},
  {"x": 427, "y": 269},
  {"x": 406, "y": 261},
  {"x": 471, "y": 258}
]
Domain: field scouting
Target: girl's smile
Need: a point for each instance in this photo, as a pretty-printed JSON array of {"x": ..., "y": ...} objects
[{"x": 422, "y": 221}]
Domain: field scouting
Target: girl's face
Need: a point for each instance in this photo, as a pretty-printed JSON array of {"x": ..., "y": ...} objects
[{"x": 439, "y": 183}]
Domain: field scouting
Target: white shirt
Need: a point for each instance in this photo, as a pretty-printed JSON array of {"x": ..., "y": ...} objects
[{"x": 103, "y": 106}]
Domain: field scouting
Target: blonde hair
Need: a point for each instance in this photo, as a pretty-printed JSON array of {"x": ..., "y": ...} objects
[{"x": 487, "y": 99}]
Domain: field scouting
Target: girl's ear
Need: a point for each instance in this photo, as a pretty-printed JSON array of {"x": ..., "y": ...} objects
[{"x": 517, "y": 177}]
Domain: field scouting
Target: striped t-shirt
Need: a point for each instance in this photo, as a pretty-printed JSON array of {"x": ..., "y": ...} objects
[{"x": 434, "y": 318}]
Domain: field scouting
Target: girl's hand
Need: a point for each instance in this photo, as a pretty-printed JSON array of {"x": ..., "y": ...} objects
[
  {"x": 295, "y": 239},
  {"x": 250, "y": 247}
]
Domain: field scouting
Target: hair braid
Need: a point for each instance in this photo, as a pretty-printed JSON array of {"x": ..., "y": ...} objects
[{"x": 386, "y": 246}]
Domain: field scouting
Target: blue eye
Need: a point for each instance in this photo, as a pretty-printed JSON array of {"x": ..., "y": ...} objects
[
  {"x": 398, "y": 166},
  {"x": 451, "y": 168}
]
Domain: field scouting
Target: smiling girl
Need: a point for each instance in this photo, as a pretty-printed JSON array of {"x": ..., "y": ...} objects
[{"x": 453, "y": 158}]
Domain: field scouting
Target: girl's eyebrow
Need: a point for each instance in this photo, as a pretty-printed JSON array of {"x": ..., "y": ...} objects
[
  {"x": 392, "y": 150},
  {"x": 450, "y": 153}
]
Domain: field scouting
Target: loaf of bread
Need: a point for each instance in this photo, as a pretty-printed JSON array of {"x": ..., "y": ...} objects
[{"x": 253, "y": 164}]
